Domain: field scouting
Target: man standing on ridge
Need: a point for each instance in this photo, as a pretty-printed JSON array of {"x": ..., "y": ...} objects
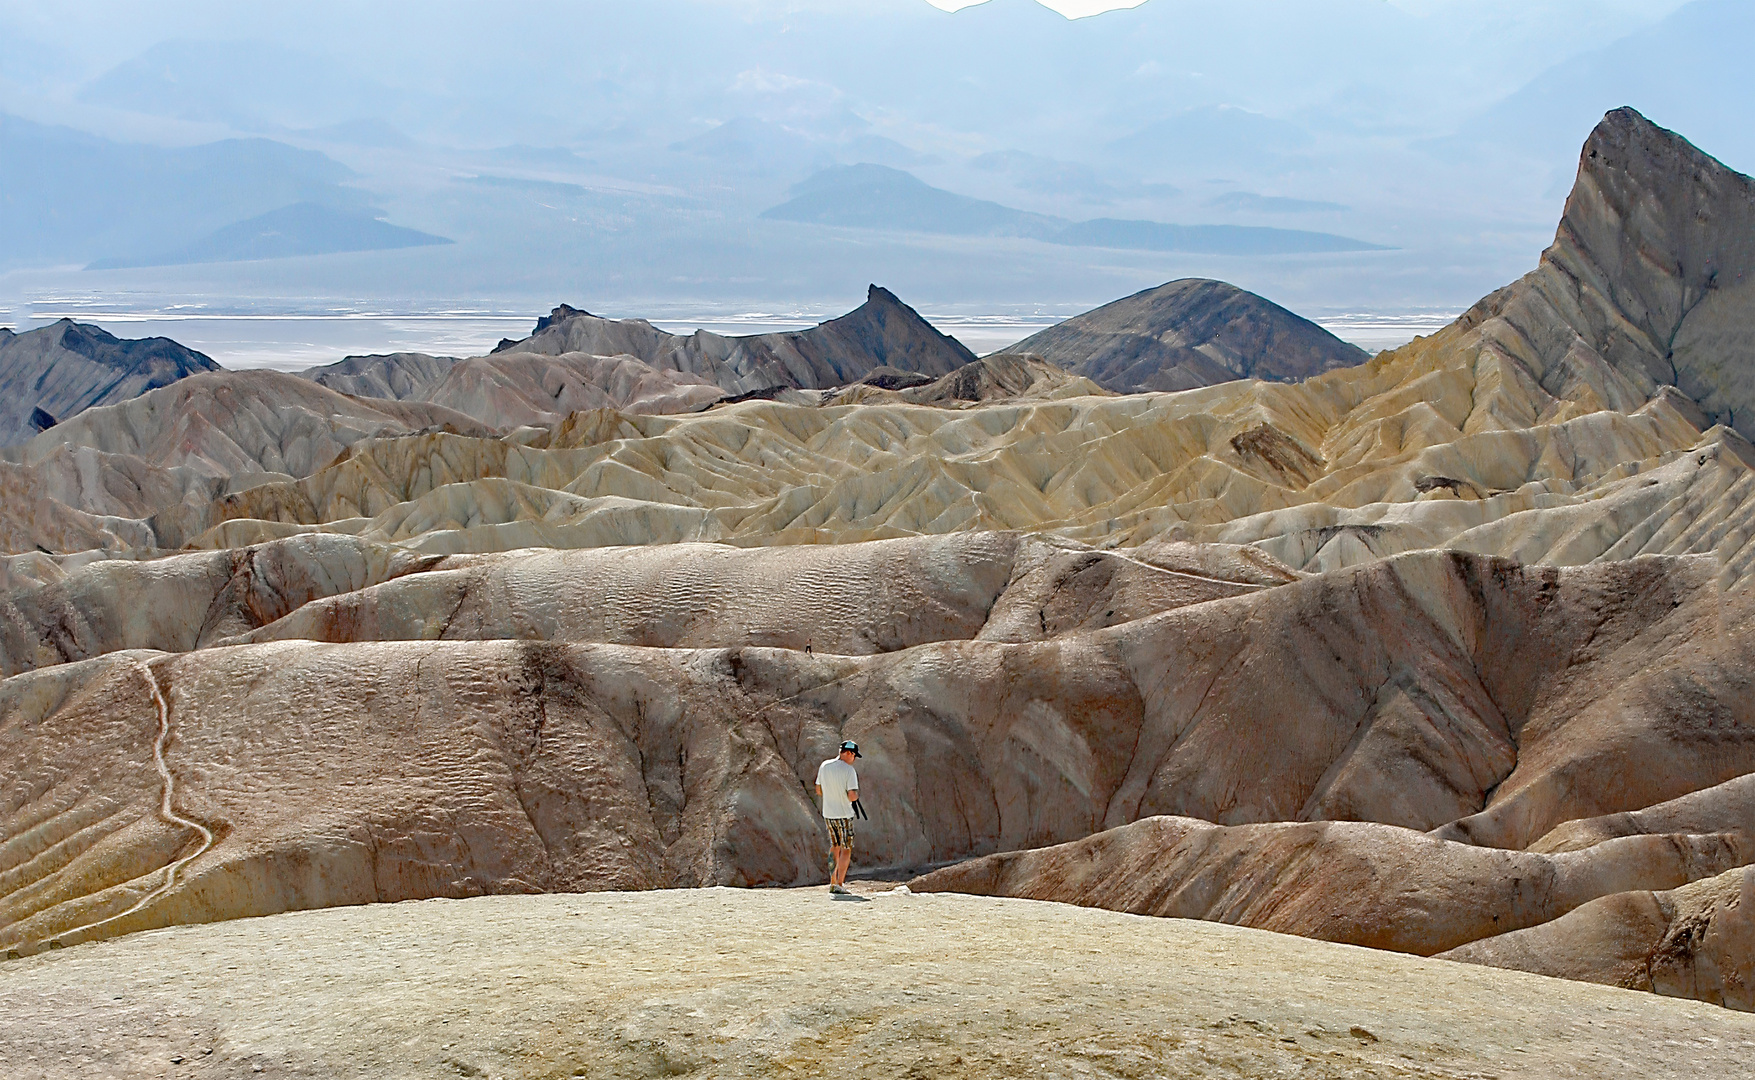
[{"x": 838, "y": 787}]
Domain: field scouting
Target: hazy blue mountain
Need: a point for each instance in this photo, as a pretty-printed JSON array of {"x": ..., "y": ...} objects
[
  {"x": 1689, "y": 72},
  {"x": 299, "y": 229},
  {"x": 66, "y": 195},
  {"x": 875, "y": 197},
  {"x": 1219, "y": 139},
  {"x": 1207, "y": 239},
  {"x": 253, "y": 85},
  {"x": 659, "y": 162},
  {"x": 1248, "y": 202},
  {"x": 361, "y": 131}
]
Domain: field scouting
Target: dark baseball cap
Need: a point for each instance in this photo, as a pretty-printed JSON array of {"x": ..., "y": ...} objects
[{"x": 853, "y": 746}]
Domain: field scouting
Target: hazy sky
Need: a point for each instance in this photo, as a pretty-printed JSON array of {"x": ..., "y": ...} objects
[
  {"x": 1072, "y": 9},
  {"x": 567, "y": 160}
]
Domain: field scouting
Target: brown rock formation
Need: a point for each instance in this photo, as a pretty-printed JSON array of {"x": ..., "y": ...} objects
[
  {"x": 1407, "y": 693},
  {"x": 54, "y": 373},
  {"x": 398, "y": 376},
  {"x": 1190, "y": 333},
  {"x": 1354, "y": 882},
  {"x": 881, "y": 332},
  {"x": 1696, "y": 941},
  {"x": 515, "y": 389}
]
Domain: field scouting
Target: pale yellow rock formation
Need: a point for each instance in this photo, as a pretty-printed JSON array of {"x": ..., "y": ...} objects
[
  {"x": 711, "y": 983},
  {"x": 509, "y": 390},
  {"x": 237, "y": 422}
]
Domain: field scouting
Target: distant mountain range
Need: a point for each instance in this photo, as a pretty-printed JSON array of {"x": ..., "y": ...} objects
[
  {"x": 1440, "y": 130},
  {"x": 299, "y": 229},
  {"x": 870, "y": 196},
  {"x": 1175, "y": 337}
]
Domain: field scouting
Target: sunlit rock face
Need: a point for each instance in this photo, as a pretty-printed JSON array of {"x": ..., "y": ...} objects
[{"x": 1446, "y": 651}]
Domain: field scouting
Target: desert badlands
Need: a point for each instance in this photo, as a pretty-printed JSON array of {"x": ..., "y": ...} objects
[{"x": 1185, "y": 610}]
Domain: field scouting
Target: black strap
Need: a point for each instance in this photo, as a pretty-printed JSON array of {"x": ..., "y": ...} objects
[{"x": 859, "y": 811}]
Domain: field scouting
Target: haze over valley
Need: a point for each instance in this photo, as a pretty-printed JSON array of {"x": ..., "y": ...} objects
[{"x": 1369, "y": 157}]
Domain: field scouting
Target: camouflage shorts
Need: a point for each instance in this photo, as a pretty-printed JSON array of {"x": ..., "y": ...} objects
[{"x": 840, "y": 831}]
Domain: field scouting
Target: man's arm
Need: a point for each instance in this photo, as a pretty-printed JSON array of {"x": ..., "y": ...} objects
[
  {"x": 852, "y": 794},
  {"x": 819, "y": 791}
]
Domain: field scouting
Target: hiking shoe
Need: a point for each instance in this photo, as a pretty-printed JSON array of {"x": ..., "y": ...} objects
[{"x": 838, "y": 890}]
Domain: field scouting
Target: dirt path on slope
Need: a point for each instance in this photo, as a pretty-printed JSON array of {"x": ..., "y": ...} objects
[{"x": 166, "y": 810}]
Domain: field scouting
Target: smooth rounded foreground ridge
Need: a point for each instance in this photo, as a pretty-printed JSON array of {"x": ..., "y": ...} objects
[{"x": 730, "y": 982}]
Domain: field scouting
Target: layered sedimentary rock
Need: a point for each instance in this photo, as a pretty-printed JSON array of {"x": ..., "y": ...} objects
[
  {"x": 398, "y": 376},
  {"x": 1190, "y": 333},
  {"x": 881, "y": 332},
  {"x": 1695, "y": 941},
  {"x": 852, "y": 599},
  {"x": 55, "y": 372},
  {"x": 238, "y": 424},
  {"x": 1414, "y": 692},
  {"x": 519, "y": 389},
  {"x": 1448, "y": 650}
]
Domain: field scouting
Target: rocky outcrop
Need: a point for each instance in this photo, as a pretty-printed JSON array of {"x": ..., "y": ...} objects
[
  {"x": 1650, "y": 283},
  {"x": 1008, "y": 377},
  {"x": 184, "y": 602},
  {"x": 518, "y": 389},
  {"x": 238, "y": 424},
  {"x": 53, "y": 373},
  {"x": 397, "y": 376},
  {"x": 1417, "y": 691},
  {"x": 1696, "y": 941},
  {"x": 1337, "y": 881},
  {"x": 1189, "y": 333},
  {"x": 881, "y": 332}
]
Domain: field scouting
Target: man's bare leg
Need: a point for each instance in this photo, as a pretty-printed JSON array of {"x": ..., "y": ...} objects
[{"x": 843, "y": 856}]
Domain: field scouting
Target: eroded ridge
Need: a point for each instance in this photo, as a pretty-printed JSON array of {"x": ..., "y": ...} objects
[{"x": 166, "y": 809}]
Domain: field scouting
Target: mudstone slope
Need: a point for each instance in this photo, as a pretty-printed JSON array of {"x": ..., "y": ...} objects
[
  {"x": 1445, "y": 652},
  {"x": 1187, "y": 334},
  {"x": 55, "y": 372}
]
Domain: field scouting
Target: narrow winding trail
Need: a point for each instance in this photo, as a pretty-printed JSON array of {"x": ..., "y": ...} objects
[{"x": 166, "y": 810}]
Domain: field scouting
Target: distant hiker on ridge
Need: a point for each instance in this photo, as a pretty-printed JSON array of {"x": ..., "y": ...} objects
[{"x": 838, "y": 787}]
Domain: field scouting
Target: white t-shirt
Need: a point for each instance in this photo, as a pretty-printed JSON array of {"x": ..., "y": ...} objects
[{"x": 837, "y": 778}]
